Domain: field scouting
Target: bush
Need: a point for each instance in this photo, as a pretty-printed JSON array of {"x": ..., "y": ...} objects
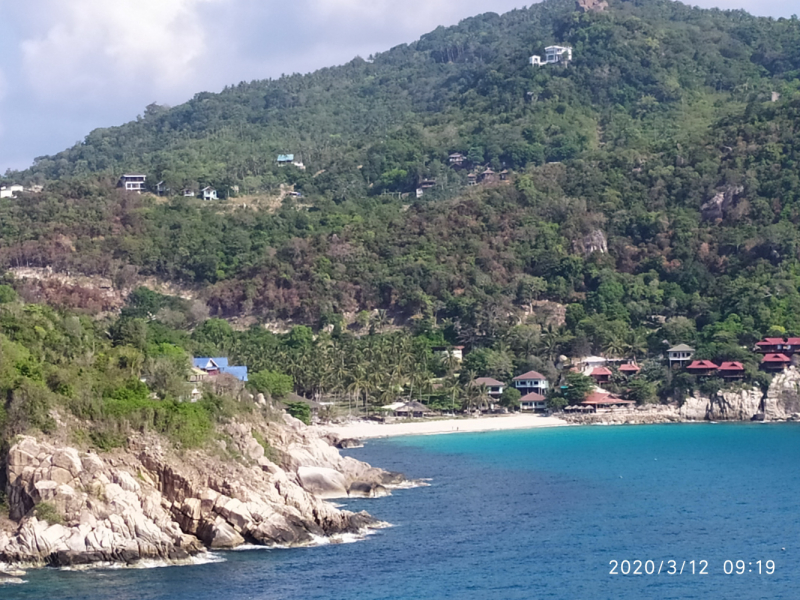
[
  {"x": 277, "y": 385},
  {"x": 510, "y": 397},
  {"x": 299, "y": 410},
  {"x": 7, "y": 294},
  {"x": 47, "y": 512}
]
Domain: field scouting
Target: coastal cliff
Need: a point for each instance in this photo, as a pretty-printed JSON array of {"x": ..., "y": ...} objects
[{"x": 69, "y": 507}]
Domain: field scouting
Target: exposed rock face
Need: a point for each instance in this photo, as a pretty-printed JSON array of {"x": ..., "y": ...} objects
[
  {"x": 592, "y": 5},
  {"x": 147, "y": 503},
  {"x": 595, "y": 241},
  {"x": 722, "y": 202},
  {"x": 783, "y": 396},
  {"x": 741, "y": 405}
]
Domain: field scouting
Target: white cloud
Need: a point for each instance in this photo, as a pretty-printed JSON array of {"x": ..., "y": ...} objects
[{"x": 92, "y": 51}]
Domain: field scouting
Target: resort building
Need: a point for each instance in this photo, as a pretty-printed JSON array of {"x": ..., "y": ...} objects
[
  {"x": 600, "y": 401},
  {"x": 775, "y": 362},
  {"x": 529, "y": 382},
  {"x": 213, "y": 367},
  {"x": 769, "y": 345},
  {"x": 731, "y": 370},
  {"x": 552, "y": 55},
  {"x": 533, "y": 402},
  {"x": 209, "y": 193},
  {"x": 132, "y": 183},
  {"x": 10, "y": 191},
  {"x": 629, "y": 370},
  {"x": 589, "y": 363},
  {"x": 680, "y": 355},
  {"x": 702, "y": 367},
  {"x": 601, "y": 374},
  {"x": 456, "y": 352},
  {"x": 494, "y": 388}
]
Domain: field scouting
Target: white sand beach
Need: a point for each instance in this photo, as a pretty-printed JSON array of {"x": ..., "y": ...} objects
[{"x": 371, "y": 429}]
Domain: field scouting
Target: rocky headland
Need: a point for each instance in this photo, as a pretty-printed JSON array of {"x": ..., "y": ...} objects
[
  {"x": 267, "y": 485},
  {"x": 781, "y": 402}
]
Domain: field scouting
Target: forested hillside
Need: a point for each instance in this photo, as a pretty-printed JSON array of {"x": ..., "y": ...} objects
[{"x": 654, "y": 186}]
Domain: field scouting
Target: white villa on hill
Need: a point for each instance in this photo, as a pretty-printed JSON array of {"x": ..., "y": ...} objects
[{"x": 553, "y": 55}]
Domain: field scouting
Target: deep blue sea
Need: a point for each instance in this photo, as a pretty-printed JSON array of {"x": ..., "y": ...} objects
[{"x": 528, "y": 515}]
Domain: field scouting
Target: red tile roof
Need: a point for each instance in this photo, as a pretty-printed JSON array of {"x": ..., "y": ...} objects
[
  {"x": 487, "y": 381},
  {"x": 599, "y": 371},
  {"x": 599, "y": 399},
  {"x": 630, "y": 367},
  {"x": 775, "y": 358},
  {"x": 532, "y": 397},
  {"x": 793, "y": 341},
  {"x": 702, "y": 364},
  {"x": 530, "y": 375},
  {"x": 731, "y": 366},
  {"x": 770, "y": 342}
]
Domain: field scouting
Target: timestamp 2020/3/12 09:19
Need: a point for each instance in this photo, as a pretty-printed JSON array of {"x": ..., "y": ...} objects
[{"x": 689, "y": 567}]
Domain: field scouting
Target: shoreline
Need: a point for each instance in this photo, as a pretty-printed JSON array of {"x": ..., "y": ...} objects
[{"x": 363, "y": 430}]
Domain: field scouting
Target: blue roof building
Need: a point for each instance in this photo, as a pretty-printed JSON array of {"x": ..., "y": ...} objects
[
  {"x": 285, "y": 158},
  {"x": 219, "y": 364}
]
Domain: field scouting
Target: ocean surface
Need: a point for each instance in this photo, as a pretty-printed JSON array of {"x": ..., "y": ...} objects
[{"x": 528, "y": 515}]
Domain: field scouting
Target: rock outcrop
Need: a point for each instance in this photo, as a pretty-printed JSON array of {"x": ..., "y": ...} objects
[
  {"x": 741, "y": 405},
  {"x": 783, "y": 396},
  {"x": 592, "y": 5},
  {"x": 72, "y": 507}
]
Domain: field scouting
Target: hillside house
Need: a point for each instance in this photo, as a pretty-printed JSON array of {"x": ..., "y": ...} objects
[
  {"x": 589, "y": 363},
  {"x": 162, "y": 189},
  {"x": 601, "y": 374},
  {"x": 533, "y": 402},
  {"x": 494, "y": 388},
  {"x": 775, "y": 362},
  {"x": 10, "y": 191},
  {"x": 456, "y": 352},
  {"x": 531, "y": 382},
  {"x": 488, "y": 176},
  {"x": 285, "y": 159},
  {"x": 731, "y": 371},
  {"x": 456, "y": 158},
  {"x": 133, "y": 182},
  {"x": 702, "y": 367},
  {"x": 680, "y": 355},
  {"x": 769, "y": 345},
  {"x": 504, "y": 175},
  {"x": 213, "y": 367},
  {"x": 552, "y": 55},
  {"x": 629, "y": 370},
  {"x": 188, "y": 193},
  {"x": 209, "y": 193},
  {"x": 472, "y": 179}
]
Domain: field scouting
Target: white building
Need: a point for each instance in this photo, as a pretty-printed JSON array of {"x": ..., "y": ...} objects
[
  {"x": 531, "y": 382},
  {"x": 680, "y": 354},
  {"x": 553, "y": 55},
  {"x": 209, "y": 193},
  {"x": 132, "y": 182},
  {"x": 10, "y": 191}
]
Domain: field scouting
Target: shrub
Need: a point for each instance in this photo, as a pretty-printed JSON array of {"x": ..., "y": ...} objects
[
  {"x": 47, "y": 512},
  {"x": 273, "y": 383},
  {"x": 299, "y": 410}
]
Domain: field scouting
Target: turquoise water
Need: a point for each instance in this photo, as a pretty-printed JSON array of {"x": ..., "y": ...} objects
[{"x": 529, "y": 514}]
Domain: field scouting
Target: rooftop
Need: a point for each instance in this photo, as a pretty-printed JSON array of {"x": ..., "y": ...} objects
[
  {"x": 532, "y": 397},
  {"x": 530, "y": 375},
  {"x": 681, "y": 348},
  {"x": 702, "y": 364},
  {"x": 776, "y": 358},
  {"x": 487, "y": 381}
]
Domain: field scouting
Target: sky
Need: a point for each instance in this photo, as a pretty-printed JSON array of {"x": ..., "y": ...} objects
[{"x": 70, "y": 66}]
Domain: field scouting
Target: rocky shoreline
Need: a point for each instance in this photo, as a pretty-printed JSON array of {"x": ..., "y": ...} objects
[
  {"x": 780, "y": 403},
  {"x": 68, "y": 507}
]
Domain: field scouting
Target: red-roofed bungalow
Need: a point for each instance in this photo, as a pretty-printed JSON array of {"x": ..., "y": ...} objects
[
  {"x": 629, "y": 370},
  {"x": 702, "y": 367},
  {"x": 731, "y": 370},
  {"x": 601, "y": 401},
  {"x": 770, "y": 345},
  {"x": 775, "y": 362},
  {"x": 533, "y": 402},
  {"x": 791, "y": 346},
  {"x": 601, "y": 375}
]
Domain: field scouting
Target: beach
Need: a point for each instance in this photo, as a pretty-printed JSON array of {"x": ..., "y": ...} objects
[{"x": 373, "y": 429}]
